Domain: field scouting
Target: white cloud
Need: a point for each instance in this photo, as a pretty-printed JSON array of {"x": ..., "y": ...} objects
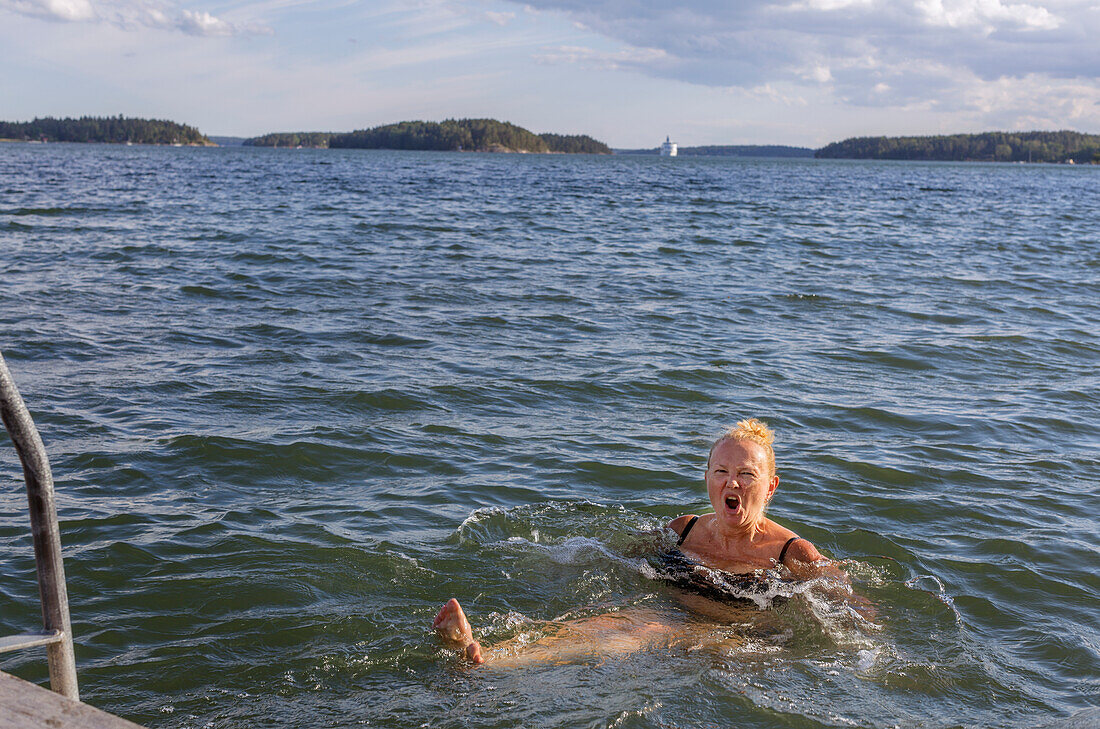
[
  {"x": 631, "y": 58},
  {"x": 500, "y": 19},
  {"x": 131, "y": 15},
  {"x": 1031, "y": 102},
  {"x": 870, "y": 52},
  {"x": 819, "y": 73},
  {"x": 203, "y": 24},
  {"x": 65, "y": 10},
  {"x": 770, "y": 92},
  {"x": 828, "y": 4},
  {"x": 986, "y": 14}
]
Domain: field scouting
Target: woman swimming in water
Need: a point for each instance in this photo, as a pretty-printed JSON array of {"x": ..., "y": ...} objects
[
  {"x": 735, "y": 544},
  {"x": 737, "y": 538}
]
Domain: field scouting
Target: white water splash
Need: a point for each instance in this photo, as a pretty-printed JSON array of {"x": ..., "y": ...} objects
[
  {"x": 478, "y": 515},
  {"x": 585, "y": 550},
  {"x": 940, "y": 593}
]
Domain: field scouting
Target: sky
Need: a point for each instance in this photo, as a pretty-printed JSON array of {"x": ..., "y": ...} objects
[{"x": 628, "y": 72}]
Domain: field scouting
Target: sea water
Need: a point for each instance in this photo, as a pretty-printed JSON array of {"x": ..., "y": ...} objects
[{"x": 296, "y": 399}]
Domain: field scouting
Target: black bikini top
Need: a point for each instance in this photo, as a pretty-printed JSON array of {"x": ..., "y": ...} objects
[{"x": 690, "y": 524}]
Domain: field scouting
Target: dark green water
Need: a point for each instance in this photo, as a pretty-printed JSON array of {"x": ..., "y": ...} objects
[{"x": 294, "y": 400}]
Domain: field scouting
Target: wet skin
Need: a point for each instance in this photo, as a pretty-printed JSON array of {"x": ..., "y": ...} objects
[{"x": 455, "y": 631}]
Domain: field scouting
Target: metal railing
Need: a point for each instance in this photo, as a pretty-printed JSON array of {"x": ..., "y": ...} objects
[{"x": 57, "y": 633}]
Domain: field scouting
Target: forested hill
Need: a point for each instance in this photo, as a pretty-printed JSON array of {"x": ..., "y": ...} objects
[
  {"x": 470, "y": 135},
  {"x": 111, "y": 129},
  {"x": 481, "y": 135},
  {"x": 987, "y": 147},
  {"x": 291, "y": 139},
  {"x": 574, "y": 144}
]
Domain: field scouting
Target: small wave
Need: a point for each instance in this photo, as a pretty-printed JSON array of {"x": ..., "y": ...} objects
[
  {"x": 205, "y": 291},
  {"x": 388, "y": 400},
  {"x": 548, "y": 523},
  {"x": 634, "y": 714},
  {"x": 48, "y": 212},
  {"x": 1088, "y": 718},
  {"x": 940, "y": 592},
  {"x": 388, "y": 339},
  {"x": 582, "y": 551}
]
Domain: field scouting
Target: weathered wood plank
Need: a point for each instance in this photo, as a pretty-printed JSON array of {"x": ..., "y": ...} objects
[{"x": 26, "y": 706}]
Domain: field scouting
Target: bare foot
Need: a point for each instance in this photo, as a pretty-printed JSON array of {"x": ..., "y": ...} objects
[{"x": 454, "y": 629}]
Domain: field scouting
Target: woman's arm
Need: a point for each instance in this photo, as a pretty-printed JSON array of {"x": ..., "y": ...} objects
[{"x": 805, "y": 563}]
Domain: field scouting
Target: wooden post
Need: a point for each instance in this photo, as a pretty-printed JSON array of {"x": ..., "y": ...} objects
[{"x": 47, "y": 535}]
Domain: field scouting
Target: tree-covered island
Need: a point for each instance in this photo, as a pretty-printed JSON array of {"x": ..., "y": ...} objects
[
  {"x": 317, "y": 140},
  {"x": 469, "y": 135},
  {"x": 1064, "y": 146},
  {"x": 110, "y": 130}
]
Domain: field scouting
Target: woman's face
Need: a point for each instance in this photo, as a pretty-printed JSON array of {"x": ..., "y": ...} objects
[{"x": 739, "y": 482}]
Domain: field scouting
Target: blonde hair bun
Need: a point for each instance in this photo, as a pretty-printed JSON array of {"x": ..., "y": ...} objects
[{"x": 753, "y": 430}]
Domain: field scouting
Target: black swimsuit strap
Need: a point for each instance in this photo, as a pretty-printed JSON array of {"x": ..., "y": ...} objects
[
  {"x": 783, "y": 552},
  {"x": 684, "y": 534},
  {"x": 690, "y": 524}
]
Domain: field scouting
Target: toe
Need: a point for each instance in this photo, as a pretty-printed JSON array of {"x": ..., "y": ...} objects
[{"x": 445, "y": 612}]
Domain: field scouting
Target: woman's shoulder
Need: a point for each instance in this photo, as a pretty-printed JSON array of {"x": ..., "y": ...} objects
[
  {"x": 680, "y": 523},
  {"x": 794, "y": 547},
  {"x": 803, "y": 550},
  {"x": 799, "y": 549}
]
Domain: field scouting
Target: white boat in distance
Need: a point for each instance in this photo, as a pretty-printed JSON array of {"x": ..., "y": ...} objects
[{"x": 668, "y": 149}]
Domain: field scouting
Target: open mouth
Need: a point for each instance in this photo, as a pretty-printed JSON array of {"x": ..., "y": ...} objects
[{"x": 733, "y": 502}]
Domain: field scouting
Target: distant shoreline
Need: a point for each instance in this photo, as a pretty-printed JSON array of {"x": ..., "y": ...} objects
[
  {"x": 1061, "y": 147},
  {"x": 814, "y": 155},
  {"x": 114, "y": 144},
  {"x": 729, "y": 150},
  {"x": 111, "y": 130},
  {"x": 493, "y": 136}
]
